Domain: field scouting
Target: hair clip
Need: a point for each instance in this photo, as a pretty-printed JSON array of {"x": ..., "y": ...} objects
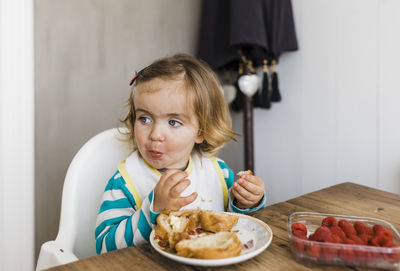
[{"x": 134, "y": 78}]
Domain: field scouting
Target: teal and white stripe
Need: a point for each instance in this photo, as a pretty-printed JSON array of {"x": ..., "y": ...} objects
[{"x": 119, "y": 224}]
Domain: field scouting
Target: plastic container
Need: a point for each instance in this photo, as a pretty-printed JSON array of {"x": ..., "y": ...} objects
[{"x": 342, "y": 254}]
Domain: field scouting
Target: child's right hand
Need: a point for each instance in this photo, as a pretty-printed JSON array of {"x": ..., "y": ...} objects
[{"x": 167, "y": 193}]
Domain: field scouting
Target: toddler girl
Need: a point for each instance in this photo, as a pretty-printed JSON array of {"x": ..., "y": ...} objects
[{"x": 177, "y": 121}]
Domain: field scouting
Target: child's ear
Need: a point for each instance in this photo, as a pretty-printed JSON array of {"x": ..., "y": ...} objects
[{"x": 199, "y": 139}]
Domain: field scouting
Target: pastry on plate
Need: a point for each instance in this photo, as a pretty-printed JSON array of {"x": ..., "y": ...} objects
[
  {"x": 213, "y": 246},
  {"x": 217, "y": 221}
]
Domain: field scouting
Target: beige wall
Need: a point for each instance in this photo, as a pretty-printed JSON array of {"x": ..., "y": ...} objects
[{"x": 86, "y": 53}]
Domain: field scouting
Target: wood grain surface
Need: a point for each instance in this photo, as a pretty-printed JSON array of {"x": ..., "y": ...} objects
[{"x": 345, "y": 199}]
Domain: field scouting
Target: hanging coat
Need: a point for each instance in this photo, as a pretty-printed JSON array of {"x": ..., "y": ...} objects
[{"x": 263, "y": 29}]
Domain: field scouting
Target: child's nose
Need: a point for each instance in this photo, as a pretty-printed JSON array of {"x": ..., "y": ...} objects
[{"x": 157, "y": 133}]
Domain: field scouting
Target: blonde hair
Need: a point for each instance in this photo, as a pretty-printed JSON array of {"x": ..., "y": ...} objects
[{"x": 203, "y": 90}]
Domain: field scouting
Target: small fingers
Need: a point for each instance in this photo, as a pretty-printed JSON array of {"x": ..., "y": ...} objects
[
  {"x": 171, "y": 177},
  {"x": 179, "y": 187},
  {"x": 240, "y": 192},
  {"x": 183, "y": 201},
  {"x": 253, "y": 188},
  {"x": 240, "y": 198},
  {"x": 253, "y": 179}
]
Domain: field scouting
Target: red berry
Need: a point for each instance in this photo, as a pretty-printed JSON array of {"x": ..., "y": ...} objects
[
  {"x": 329, "y": 222},
  {"x": 343, "y": 222},
  {"x": 394, "y": 255},
  {"x": 361, "y": 228},
  {"x": 357, "y": 240},
  {"x": 299, "y": 245},
  {"x": 336, "y": 230},
  {"x": 380, "y": 240},
  {"x": 349, "y": 241},
  {"x": 365, "y": 238},
  {"x": 347, "y": 255},
  {"x": 299, "y": 227},
  {"x": 299, "y": 234},
  {"x": 313, "y": 250},
  {"x": 347, "y": 228},
  {"x": 323, "y": 234},
  {"x": 361, "y": 254},
  {"x": 328, "y": 252},
  {"x": 336, "y": 239},
  {"x": 386, "y": 233},
  {"x": 377, "y": 228}
]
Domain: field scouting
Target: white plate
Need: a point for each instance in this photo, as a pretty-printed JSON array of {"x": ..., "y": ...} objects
[{"x": 249, "y": 228}]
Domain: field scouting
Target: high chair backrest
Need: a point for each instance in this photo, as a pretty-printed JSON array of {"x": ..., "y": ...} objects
[{"x": 86, "y": 178}]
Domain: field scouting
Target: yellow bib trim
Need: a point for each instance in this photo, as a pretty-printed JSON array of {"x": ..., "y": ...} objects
[
  {"x": 129, "y": 183},
  {"x": 152, "y": 169},
  {"x": 222, "y": 180}
]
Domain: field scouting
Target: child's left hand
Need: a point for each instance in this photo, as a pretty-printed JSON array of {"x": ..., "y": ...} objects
[{"x": 248, "y": 190}]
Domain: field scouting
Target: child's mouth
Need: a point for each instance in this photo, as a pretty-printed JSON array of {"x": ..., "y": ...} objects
[{"x": 156, "y": 155}]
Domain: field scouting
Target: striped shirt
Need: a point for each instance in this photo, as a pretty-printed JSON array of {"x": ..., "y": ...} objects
[{"x": 126, "y": 218}]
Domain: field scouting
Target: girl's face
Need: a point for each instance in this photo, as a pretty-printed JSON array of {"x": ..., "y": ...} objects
[{"x": 166, "y": 128}]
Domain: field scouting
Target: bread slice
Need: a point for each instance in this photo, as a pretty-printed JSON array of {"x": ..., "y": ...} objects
[
  {"x": 213, "y": 246},
  {"x": 240, "y": 173},
  {"x": 217, "y": 221}
]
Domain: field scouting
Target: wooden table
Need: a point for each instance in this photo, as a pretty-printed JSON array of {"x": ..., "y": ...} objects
[{"x": 345, "y": 198}]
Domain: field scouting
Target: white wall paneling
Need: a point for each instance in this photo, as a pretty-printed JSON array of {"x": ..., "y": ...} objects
[{"x": 16, "y": 136}]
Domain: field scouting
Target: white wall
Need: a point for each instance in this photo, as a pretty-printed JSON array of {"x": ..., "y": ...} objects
[
  {"x": 16, "y": 136},
  {"x": 340, "y": 114}
]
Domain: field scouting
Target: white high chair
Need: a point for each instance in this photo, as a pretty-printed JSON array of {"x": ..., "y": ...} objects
[{"x": 86, "y": 178}]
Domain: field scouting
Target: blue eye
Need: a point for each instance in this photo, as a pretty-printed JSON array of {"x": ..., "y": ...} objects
[
  {"x": 174, "y": 123},
  {"x": 144, "y": 119}
]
